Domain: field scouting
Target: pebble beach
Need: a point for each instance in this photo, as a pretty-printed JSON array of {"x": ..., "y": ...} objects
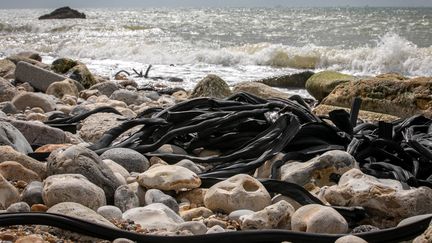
[{"x": 206, "y": 154}]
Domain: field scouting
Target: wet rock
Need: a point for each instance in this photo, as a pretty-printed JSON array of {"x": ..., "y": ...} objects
[
  {"x": 157, "y": 196},
  {"x": 260, "y": 90},
  {"x": 63, "y": 13},
  {"x": 14, "y": 171},
  {"x": 79, "y": 211},
  {"x": 110, "y": 212},
  {"x": 350, "y": 239},
  {"x": 154, "y": 216},
  {"x": 211, "y": 86},
  {"x": 62, "y": 65},
  {"x": 7, "y": 90},
  {"x": 274, "y": 216},
  {"x": 195, "y": 227},
  {"x": 390, "y": 204},
  {"x": 318, "y": 169},
  {"x": 61, "y": 88},
  {"x": 125, "y": 198},
  {"x": 40, "y": 134},
  {"x": 11, "y": 136},
  {"x": 129, "y": 97},
  {"x": 19, "y": 207},
  {"x": 7, "y": 153},
  {"x": 81, "y": 74},
  {"x": 238, "y": 192},
  {"x": 321, "y": 84},
  {"x": 38, "y": 77},
  {"x": 28, "y": 99},
  {"x": 169, "y": 177},
  {"x": 193, "y": 213},
  {"x": 7, "y": 68},
  {"x": 9, "y": 194},
  {"x": 130, "y": 159},
  {"x": 80, "y": 160},
  {"x": 296, "y": 80},
  {"x": 402, "y": 98},
  {"x": 32, "y": 194},
  {"x": 314, "y": 218},
  {"x": 72, "y": 188},
  {"x": 94, "y": 126},
  {"x": 106, "y": 88}
]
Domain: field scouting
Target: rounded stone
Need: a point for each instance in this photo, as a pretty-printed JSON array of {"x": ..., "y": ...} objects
[
  {"x": 125, "y": 198},
  {"x": 364, "y": 229},
  {"x": 130, "y": 159},
  {"x": 72, "y": 188},
  {"x": 193, "y": 213},
  {"x": 169, "y": 177},
  {"x": 314, "y": 218},
  {"x": 10, "y": 135},
  {"x": 157, "y": 196},
  {"x": 110, "y": 212},
  {"x": 9, "y": 194},
  {"x": 238, "y": 192},
  {"x": 170, "y": 149},
  {"x": 116, "y": 168},
  {"x": 14, "y": 171},
  {"x": 188, "y": 164},
  {"x": 61, "y": 88},
  {"x": 19, "y": 207},
  {"x": 30, "y": 239},
  {"x": 235, "y": 215},
  {"x": 195, "y": 227},
  {"x": 350, "y": 239},
  {"x": 30, "y": 99},
  {"x": 32, "y": 194},
  {"x": 215, "y": 229},
  {"x": 39, "y": 208},
  {"x": 211, "y": 86},
  {"x": 274, "y": 216}
]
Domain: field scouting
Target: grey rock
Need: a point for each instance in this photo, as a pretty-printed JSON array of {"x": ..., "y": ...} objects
[
  {"x": 17, "y": 58},
  {"x": 211, "y": 86},
  {"x": 62, "y": 88},
  {"x": 157, "y": 196},
  {"x": 32, "y": 194},
  {"x": 188, "y": 164},
  {"x": 123, "y": 240},
  {"x": 2, "y": 114},
  {"x": 350, "y": 239},
  {"x": 153, "y": 95},
  {"x": 30, "y": 99},
  {"x": 38, "y": 77},
  {"x": 260, "y": 90},
  {"x": 116, "y": 168},
  {"x": 8, "y": 108},
  {"x": 106, "y": 88},
  {"x": 296, "y": 80},
  {"x": 9, "y": 194},
  {"x": 235, "y": 215},
  {"x": 7, "y": 68},
  {"x": 414, "y": 219},
  {"x": 94, "y": 126},
  {"x": 110, "y": 212},
  {"x": 215, "y": 229},
  {"x": 7, "y": 90},
  {"x": 39, "y": 133},
  {"x": 130, "y": 159},
  {"x": 125, "y": 198},
  {"x": 79, "y": 211},
  {"x": 170, "y": 149},
  {"x": 80, "y": 160},
  {"x": 32, "y": 55},
  {"x": 195, "y": 227},
  {"x": 318, "y": 169},
  {"x": 63, "y": 13},
  {"x": 72, "y": 188},
  {"x": 129, "y": 97},
  {"x": 9, "y": 135},
  {"x": 364, "y": 228},
  {"x": 19, "y": 207}
]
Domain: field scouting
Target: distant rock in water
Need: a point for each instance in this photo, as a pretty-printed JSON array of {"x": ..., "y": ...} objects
[{"x": 64, "y": 13}]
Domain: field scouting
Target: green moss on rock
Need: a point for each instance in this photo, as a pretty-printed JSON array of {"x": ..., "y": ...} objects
[
  {"x": 211, "y": 86},
  {"x": 322, "y": 84},
  {"x": 63, "y": 65}
]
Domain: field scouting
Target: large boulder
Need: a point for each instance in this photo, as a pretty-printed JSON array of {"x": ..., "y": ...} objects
[
  {"x": 10, "y": 135},
  {"x": 63, "y": 13},
  {"x": 385, "y": 200},
  {"x": 387, "y": 94},
  {"x": 321, "y": 84},
  {"x": 296, "y": 80},
  {"x": 30, "y": 99},
  {"x": 7, "y": 68},
  {"x": 7, "y": 90},
  {"x": 211, "y": 86},
  {"x": 260, "y": 90},
  {"x": 80, "y": 160},
  {"x": 37, "y": 77}
]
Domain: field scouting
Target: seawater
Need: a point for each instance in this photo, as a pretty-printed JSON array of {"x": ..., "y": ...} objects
[{"x": 238, "y": 44}]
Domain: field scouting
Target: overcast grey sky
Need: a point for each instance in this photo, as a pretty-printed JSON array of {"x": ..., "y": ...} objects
[{"x": 207, "y": 3}]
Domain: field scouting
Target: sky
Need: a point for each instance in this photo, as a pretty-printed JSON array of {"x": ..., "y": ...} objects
[{"x": 208, "y": 3}]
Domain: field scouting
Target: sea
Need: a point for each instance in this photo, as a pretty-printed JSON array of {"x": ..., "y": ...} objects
[{"x": 238, "y": 44}]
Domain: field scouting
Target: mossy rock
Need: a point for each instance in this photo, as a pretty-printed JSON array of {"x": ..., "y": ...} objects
[
  {"x": 81, "y": 74},
  {"x": 296, "y": 80},
  {"x": 63, "y": 65},
  {"x": 211, "y": 86},
  {"x": 322, "y": 84}
]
